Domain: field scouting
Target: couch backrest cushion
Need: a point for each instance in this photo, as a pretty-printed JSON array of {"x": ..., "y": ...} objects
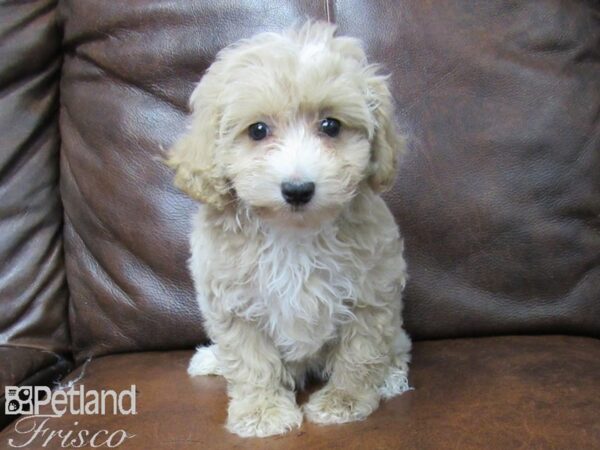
[
  {"x": 33, "y": 291},
  {"x": 128, "y": 72},
  {"x": 498, "y": 197}
]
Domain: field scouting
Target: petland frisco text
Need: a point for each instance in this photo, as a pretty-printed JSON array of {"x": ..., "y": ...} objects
[{"x": 37, "y": 429}]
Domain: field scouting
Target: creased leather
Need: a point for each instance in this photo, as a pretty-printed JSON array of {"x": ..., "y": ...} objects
[
  {"x": 498, "y": 197},
  {"x": 33, "y": 291},
  {"x": 128, "y": 72}
]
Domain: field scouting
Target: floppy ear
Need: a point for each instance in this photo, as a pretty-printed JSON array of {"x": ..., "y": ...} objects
[
  {"x": 193, "y": 157},
  {"x": 387, "y": 144}
]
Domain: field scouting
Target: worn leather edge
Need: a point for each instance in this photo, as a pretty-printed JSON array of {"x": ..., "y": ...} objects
[{"x": 45, "y": 376}]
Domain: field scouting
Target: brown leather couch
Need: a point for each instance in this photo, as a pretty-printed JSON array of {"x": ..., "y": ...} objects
[{"x": 498, "y": 200}]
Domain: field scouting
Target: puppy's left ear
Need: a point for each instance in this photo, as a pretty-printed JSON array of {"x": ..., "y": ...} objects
[{"x": 386, "y": 144}]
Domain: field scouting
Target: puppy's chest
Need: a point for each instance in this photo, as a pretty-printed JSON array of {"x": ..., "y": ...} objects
[{"x": 303, "y": 291}]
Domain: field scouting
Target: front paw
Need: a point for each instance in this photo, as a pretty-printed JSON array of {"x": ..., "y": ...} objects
[
  {"x": 263, "y": 414},
  {"x": 331, "y": 405}
]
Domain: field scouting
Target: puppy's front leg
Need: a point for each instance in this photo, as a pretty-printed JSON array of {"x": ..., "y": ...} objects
[
  {"x": 262, "y": 402},
  {"x": 357, "y": 365}
]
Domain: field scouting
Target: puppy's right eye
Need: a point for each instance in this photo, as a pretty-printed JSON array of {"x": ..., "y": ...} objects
[{"x": 258, "y": 131}]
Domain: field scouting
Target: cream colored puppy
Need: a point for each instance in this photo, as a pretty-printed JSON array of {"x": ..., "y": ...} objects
[{"x": 296, "y": 260}]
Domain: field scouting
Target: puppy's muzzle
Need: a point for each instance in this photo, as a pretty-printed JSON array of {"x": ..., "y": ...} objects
[{"x": 297, "y": 194}]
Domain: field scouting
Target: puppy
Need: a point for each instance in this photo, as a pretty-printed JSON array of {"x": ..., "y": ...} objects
[{"x": 296, "y": 260}]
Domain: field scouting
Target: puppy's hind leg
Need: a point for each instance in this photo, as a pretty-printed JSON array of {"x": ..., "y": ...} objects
[
  {"x": 396, "y": 379},
  {"x": 205, "y": 361}
]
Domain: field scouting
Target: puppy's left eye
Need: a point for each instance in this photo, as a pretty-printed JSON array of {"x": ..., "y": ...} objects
[
  {"x": 258, "y": 131},
  {"x": 330, "y": 126}
]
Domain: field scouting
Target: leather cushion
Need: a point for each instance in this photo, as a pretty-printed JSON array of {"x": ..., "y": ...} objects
[
  {"x": 494, "y": 393},
  {"x": 127, "y": 75},
  {"x": 18, "y": 363},
  {"x": 20, "y": 366},
  {"x": 33, "y": 291},
  {"x": 498, "y": 197}
]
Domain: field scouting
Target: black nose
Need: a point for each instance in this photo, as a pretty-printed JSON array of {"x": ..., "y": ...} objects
[{"x": 297, "y": 193}]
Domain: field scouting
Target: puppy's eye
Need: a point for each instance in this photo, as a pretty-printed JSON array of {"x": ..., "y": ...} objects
[
  {"x": 330, "y": 126},
  {"x": 258, "y": 131}
]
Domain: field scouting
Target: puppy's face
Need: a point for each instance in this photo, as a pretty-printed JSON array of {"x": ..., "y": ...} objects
[
  {"x": 290, "y": 126},
  {"x": 298, "y": 148}
]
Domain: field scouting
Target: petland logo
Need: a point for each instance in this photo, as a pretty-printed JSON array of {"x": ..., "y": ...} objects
[{"x": 35, "y": 427}]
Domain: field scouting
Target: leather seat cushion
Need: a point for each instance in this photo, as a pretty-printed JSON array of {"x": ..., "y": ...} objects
[{"x": 494, "y": 393}]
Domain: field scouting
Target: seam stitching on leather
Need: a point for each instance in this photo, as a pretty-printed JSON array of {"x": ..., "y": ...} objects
[{"x": 329, "y": 10}]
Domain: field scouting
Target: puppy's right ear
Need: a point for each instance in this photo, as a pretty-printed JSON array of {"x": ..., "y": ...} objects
[{"x": 193, "y": 157}]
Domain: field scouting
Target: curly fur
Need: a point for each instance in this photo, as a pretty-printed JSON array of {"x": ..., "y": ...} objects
[{"x": 289, "y": 291}]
